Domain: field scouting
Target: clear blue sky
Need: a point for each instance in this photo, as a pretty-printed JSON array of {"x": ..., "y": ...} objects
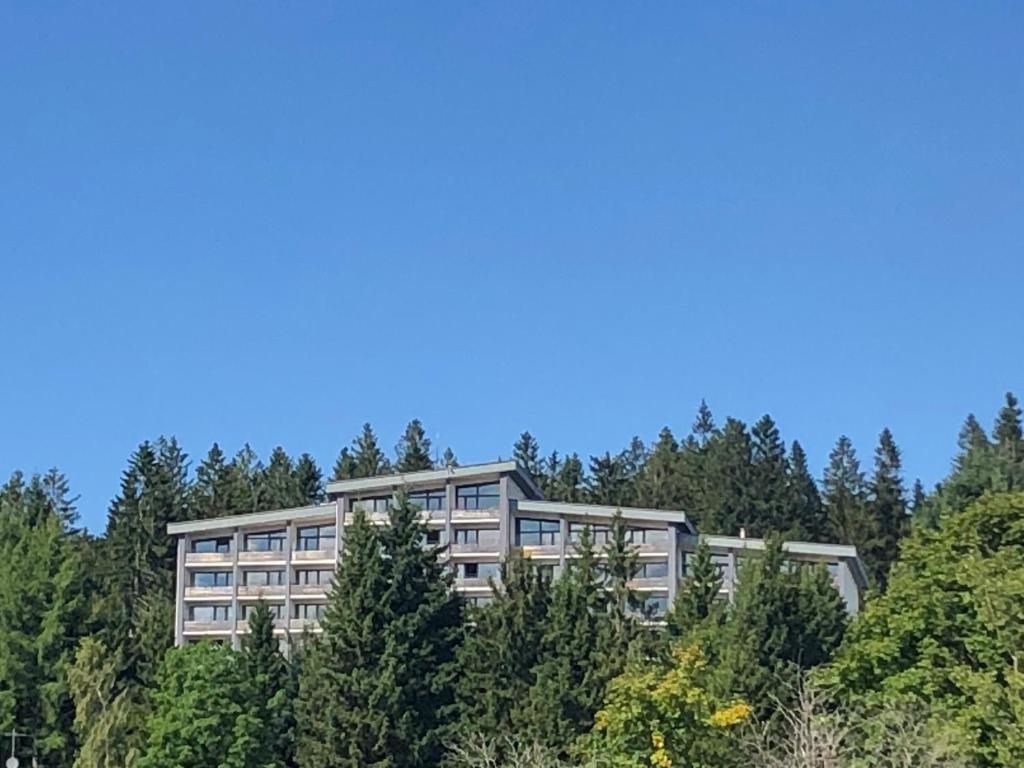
[{"x": 271, "y": 222}]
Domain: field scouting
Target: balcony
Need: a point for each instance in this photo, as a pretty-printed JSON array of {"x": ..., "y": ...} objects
[
  {"x": 258, "y": 591},
  {"x": 207, "y": 627},
  {"x": 310, "y": 590},
  {"x": 261, "y": 557},
  {"x": 212, "y": 593},
  {"x": 299, "y": 626},
  {"x": 541, "y": 550},
  {"x": 208, "y": 558},
  {"x": 314, "y": 555}
]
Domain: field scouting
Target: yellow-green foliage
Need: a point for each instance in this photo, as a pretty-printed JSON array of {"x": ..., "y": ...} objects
[{"x": 663, "y": 714}]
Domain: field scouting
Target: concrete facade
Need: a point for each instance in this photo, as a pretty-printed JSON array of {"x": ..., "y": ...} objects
[{"x": 478, "y": 513}]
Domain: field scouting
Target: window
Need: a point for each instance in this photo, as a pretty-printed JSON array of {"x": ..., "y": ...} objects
[
  {"x": 598, "y": 533},
  {"x": 263, "y": 578},
  {"x": 316, "y": 537},
  {"x": 267, "y": 541},
  {"x": 276, "y": 610},
  {"x": 657, "y": 570},
  {"x": 647, "y": 535},
  {"x": 530, "y": 532},
  {"x": 479, "y": 601},
  {"x": 211, "y": 578},
  {"x": 432, "y": 537},
  {"x": 654, "y": 606},
  {"x": 467, "y": 535},
  {"x": 310, "y": 611},
  {"x": 430, "y": 500},
  {"x": 478, "y": 571},
  {"x": 487, "y": 496},
  {"x": 314, "y": 577},
  {"x": 548, "y": 571},
  {"x": 372, "y": 504},
  {"x": 209, "y": 613},
  {"x": 221, "y": 545},
  {"x": 720, "y": 559}
]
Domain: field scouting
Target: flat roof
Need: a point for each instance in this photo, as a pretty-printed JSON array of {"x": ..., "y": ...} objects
[
  {"x": 635, "y": 514},
  {"x": 253, "y": 518},
  {"x": 433, "y": 476}
]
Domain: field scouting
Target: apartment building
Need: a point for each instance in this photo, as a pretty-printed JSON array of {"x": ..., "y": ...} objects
[{"x": 287, "y": 557}]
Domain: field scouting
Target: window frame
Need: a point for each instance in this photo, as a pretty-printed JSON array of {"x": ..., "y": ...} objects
[
  {"x": 467, "y": 497},
  {"x": 548, "y": 533}
]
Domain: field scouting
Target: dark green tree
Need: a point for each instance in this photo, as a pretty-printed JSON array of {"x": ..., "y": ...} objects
[
  {"x": 345, "y": 466},
  {"x": 609, "y": 481},
  {"x": 448, "y": 458},
  {"x": 846, "y": 499},
  {"x": 278, "y": 482},
  {"x": 697, "y": 600},
  {"x": 527, "y": 452},
  {"x": 771, "y": 507},
  {"x": 727, "y": 480},
  {"x": 413, "y": 450},
  {"x": 310, "y": 480},
  {"x": 888, "y": 507},
  {"x": 659, "y": 483},
  {"x": 1007, "y": 432},
  {"x": 566, "y": 483},
  {"x": 808, "y": 515},
  {"x": 270, "y": 682},
  {"x": 704, "y": 424},
  {"x": 502, "y": 646},
  {"x": 620, "y": 568}
]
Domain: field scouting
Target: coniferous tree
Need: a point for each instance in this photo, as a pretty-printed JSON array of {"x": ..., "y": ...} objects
[
  {"x": 370, "y": 460},
  {"x": 310, "y": 480},
  {"x": 1007, "y": 432},
  {"x": 845, "y": 497},
  {"x": 697, "y": 600},
  {"x": 527, "y": 452},
  {"x": 888, "y": 507},
  {"x": 413, "y": 450},
  {"x": 213, "y": 487},
  {"x": 278, "y": 482},
  {"x": 448, "y": 458},
  {"x": 345, "y": 466},
  {"x": 728, "y": 480},
  {"x": 566, "y": 482},
  {"x": 659, "y": 482},
  {"x": 808, "y": 516},
  {"x": 608, "y": 482},
  {"x": 571, "y": 676},
  {"x": 632, "y": 461},
  {"x": 496, "y": 661},
  {"x": 620, "y": 567},
  {"x": 704, "y": 424},
  {"x": 269, "y": 678},
  {"x": 771, "y": 503}
]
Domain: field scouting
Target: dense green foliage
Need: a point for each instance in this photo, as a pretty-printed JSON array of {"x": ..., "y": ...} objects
[{"x": 566, "y": 667}]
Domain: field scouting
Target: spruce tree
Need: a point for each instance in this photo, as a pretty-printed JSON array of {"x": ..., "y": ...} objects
[
  {"x": 888, "y": 507},
  {"x": 370, "y": 460},
  {"x": 413, "y": 450},
  {"x": 608, "y": 482},
  {"x": 212, "y": 486},
  {"x": 269, "y": 678},
  {"x": 620, "y": 567},
  {"x": 808, "y": 515},
  {"x": 697, "y": 600},
  {"x": 845, "y": 498},
  {"x": 278, "y": 483},
  {"x": 344, "y": 466},
  {"x": 526, "y": 451},
  {"x": 309, "y": 481},
  {"x": 1007, "y": 432},
  {"x": 571, "y": 676},
  {"x": 771, "y": 506},
  {"x": 502, "y": 646},
  {"x": 704, "y": 424},
  {"x": 567, "y": 483},
  {"x": 728, "y": 480},
  {"x": 659, "y": 483},
  {"x": 448, "y": 458}
]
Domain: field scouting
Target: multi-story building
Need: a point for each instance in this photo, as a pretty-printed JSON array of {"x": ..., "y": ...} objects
[{"x": 478, "y": 513}]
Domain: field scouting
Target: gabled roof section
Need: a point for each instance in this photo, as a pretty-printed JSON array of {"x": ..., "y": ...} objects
[
  {"x": 630, "y": 514},
  {"x": 428, "y": 477}
]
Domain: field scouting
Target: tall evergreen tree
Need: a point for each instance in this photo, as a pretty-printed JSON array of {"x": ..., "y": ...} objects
[
  {"x": 728, "y": 480},
  {"x": 566, "y": 482},
  {"x": 527, "y": 452},
  {"x": 309, "y": 480},
  {"x": 845, "y": 497},
  {"x": 502, "y": 646},
  {"x": 704, "y": 424},
  {"x": 448, "y": 458},
  {"x": 808, "y": 516},
  {"x": 888, "y": 507},
  {"x": 608, "y": 482},
  {"x": 659, "y": 483},
  {"x": 413, "y": 450},
  {"x": 278, "y": 482},
  {"x": 344, "y": 466},
  {"x": 370, "y": 460},
  {"x": 1007, "y": 432},
  {"x": 697, "y": 600},
  {"x": 771, "y": 503},
  {"x": 621, "y": 565},
  {"x": 269, "y": 678}
]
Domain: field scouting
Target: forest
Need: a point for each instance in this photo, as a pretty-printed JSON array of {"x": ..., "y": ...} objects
[{"x": 551, "y": 672}]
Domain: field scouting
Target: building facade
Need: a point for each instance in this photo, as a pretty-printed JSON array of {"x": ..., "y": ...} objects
[{"x": 479, "y": 513}]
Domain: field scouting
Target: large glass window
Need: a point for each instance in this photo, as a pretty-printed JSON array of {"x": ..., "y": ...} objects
[
  {"x": 314, "y": 576},
  {"x": 221, "y": 544},
  {"x": 534, "y": 533},
  {"x": 431, "y": 500},
  {"x": 432, "y": 537},
  {"x": 316, "y": 537},
  {"x": 265, "y": 541},
  {"x": 477, "y": 570},
  {"x": 656, "y": 570},
  {"x": 372, "y": 504},
  {"x": 647, "y": 535},
  {"x": 486, "y": 496},
  {"x": 654, "y": 606},
  {"x": 467, "y": 536},
  {"x": 272, "y": 578},
  {"x": 276, "y": 610},
  {"x": 309, "y": 611},
  {"x": 598, "y": 533},
  {"x": 209, "y": 613},
  {"x": 211, "y": 578}
]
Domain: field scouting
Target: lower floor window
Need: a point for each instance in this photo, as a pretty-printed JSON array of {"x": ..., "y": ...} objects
[
  {"x": 209, "y": 613},
  {"x": 276, "y": 610},
  {"x": 310, "y": 611}
]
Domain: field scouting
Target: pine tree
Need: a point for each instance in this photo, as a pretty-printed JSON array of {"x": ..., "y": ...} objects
[
  {"x": 728, "y": 480},
  {"x": 448, "y": 458},
  {"x": 345, "y": 466},
  {"x": 310, "y": 481},
  {"x": 376, "y": 689},
  {"x": 845, "y": 498},
  {"x": 269, "y": 678},
  {"x": 567, "y": 481},
  {"x": 808, "y": 516},
  {"x": 888, "y": 506},
  {"x": 697, "y": 600},
  {"x": 771, "y": 502},
  {"x": 659, "y": 483},
  {"x": 217, "y": 491},
  {"x": 245, "y": 480},
  {"x": 413, "y": 451},
  {"x": 278, "y": 483},
  {"x": 370, "y": 460},
  {"x": 1007, "y": 432},
  {"x": 570, "y": 678},
  {"x": 621, "y": 565},
  {"x": 526, "y": 451},
  {"x": 704, "y": 425},
  {"x": 632, "y": 460},
  {"x": 608, "y": 482},
  {"x": 502, "y": 646}
]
